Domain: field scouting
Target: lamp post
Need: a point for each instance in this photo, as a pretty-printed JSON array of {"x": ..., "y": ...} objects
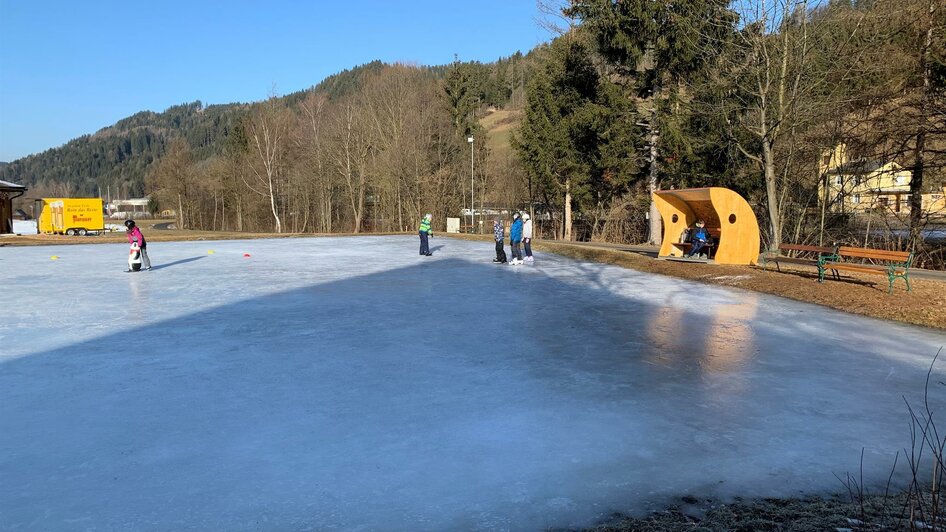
[{"x": 472, "y": 222}]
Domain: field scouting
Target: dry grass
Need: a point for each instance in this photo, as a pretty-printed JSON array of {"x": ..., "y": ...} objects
[
  {"x": 859, "y": 294},
  {"x": 691, "y": 515},
  {"x": 499, "y": 125}
]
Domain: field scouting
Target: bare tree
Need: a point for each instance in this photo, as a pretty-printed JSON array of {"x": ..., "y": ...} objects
[
  {"x": 351, "y": 149},
  {"x": 174, "y": 182},
  {"x": 774, "y": 96},
  {"x": 313, "y": 149},
  {"x": 268, "y": 132}
]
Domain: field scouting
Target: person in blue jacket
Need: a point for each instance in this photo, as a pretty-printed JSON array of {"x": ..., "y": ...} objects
[
  {"x": 515, "y": 238},
  {"x": 699, "y": 238}
]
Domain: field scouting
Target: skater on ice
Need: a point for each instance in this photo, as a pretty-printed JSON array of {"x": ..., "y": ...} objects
[
  {"x": 515, "y": 238},
  {"x": 136, "y": 239},
  {"x": 499, "y": 234},
  {"x": 527, "y": 235},
  {"x": 425, "y": 233}
]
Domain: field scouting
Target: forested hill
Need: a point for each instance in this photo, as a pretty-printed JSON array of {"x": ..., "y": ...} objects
[{"x": 118, "y": 157}]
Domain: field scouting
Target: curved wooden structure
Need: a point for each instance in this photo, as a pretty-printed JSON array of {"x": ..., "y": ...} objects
[{"x": 728, "y": 217}]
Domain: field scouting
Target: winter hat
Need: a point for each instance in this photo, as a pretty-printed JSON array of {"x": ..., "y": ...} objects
[
  {"x": 428, "y": 216},
  {"x": 525, "y": 216},
  {"x": 515, "y": 215}
]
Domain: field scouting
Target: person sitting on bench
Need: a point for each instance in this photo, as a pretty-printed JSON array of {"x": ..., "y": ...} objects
[{"x": 698, "y": 238}]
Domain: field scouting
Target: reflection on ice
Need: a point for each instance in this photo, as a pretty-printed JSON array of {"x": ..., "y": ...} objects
[{"x": 730, "y": 339}]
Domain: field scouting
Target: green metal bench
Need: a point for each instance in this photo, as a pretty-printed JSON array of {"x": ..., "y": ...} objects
[{"x": 894, "y": 264}]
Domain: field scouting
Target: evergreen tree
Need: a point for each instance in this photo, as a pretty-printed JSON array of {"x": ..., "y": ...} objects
[
  {"x": 557, "y": 141},
  {"x": 655, "y": 44}
]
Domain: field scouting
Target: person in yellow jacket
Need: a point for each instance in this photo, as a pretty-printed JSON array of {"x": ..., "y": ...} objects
[{"x": 425, "y": 232}]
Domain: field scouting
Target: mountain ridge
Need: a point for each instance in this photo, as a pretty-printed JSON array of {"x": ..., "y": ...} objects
[{"x": 117, "y": 157}]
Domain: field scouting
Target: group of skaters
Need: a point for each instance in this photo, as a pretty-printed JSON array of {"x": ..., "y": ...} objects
[
  {"x": 520, "y": 234},
  {"x": 520, "y": 237}
]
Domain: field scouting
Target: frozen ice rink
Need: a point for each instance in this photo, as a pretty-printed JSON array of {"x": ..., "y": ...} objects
[{"x": 348, "y": 383}]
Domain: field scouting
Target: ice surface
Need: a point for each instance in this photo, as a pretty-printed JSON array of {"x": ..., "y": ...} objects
[{"x": 348, "y": 383}]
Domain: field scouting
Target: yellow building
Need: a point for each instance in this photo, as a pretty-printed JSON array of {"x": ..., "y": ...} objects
[
  {"x": 861, "y": 184},
  {"x": 935, "y": 202}
]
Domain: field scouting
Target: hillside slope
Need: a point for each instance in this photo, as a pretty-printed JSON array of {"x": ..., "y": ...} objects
[{"x": 118, "y": 157}]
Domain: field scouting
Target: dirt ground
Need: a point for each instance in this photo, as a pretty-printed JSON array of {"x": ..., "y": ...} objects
[{"x": 874, "y": 512}]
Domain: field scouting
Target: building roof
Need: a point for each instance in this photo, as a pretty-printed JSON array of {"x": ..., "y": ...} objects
[
  {"x": 6, "y": 185},
  {"x": 143, "y": 202},
  {"x": 860, "y": 167}
]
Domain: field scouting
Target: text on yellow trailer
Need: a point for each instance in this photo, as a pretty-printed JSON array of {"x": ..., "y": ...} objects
[{"x": 70, "y": 216}]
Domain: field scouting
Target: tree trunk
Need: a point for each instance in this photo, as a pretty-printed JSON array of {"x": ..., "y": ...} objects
[
  {"x": 359, "y": 212},
  {"x": 919, "y": 162},
  {"x": 568, "y": 210},
  {"x": 180, "y": 212},
  {"x": 240, "y": 214},
  {"x": 771, "y": 194},
  {"x": 272, "y": 205},
  {"x": 655, "y": 223}
]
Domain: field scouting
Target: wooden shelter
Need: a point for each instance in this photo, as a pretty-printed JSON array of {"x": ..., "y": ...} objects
[
  {"x": 728, "y": 217},
  {"x": 8, "y": 191}
]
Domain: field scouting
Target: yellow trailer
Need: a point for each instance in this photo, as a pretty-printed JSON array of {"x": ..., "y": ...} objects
[{"x": 70, "y": 216}]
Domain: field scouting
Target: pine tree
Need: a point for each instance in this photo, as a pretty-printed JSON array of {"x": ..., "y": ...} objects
[{"x": 655, "y": 44}]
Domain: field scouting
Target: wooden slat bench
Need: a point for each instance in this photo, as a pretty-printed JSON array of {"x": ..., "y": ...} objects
[
  {"x": 802, "y": 254},
  {"x": 893, "y": 264},
  {"x": 710, "y": 246}
]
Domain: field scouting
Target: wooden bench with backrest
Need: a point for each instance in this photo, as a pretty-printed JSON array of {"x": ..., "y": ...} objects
[
  {"x": 797, "y": 254},
  {"x": 894, "y": 264},
  {"x": 714, "y": 233}
]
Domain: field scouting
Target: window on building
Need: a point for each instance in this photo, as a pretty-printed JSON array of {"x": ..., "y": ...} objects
[{"x": 857, "y": 198}]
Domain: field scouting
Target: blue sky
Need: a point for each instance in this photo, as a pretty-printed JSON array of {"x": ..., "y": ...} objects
[{"x": 71, "y": 68}]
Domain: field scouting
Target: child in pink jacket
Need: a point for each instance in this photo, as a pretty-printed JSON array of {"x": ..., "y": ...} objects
[{"x": 134, "y": 235}]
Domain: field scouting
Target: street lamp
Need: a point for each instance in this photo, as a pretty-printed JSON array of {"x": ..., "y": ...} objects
[{"x": 472, "y": 222}]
